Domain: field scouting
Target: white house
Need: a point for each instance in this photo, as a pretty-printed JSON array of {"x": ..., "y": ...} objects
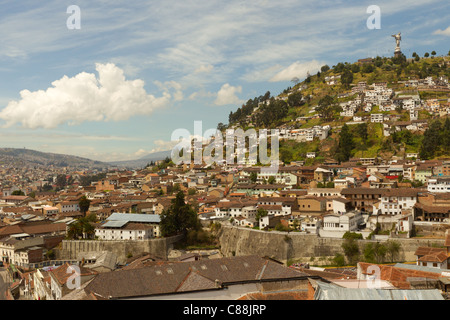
[
  {"x": 377, "y": 117},
  {"x": 124, "y": 230},
  {"x": 68, "y": 206},
  {"x": 342, "y": 222},
  {"x": 395, "y": 200},
  {"x": 438, "y": 184}
]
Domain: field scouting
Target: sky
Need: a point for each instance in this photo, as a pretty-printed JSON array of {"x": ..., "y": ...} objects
[{"x": 112, "y": 80}]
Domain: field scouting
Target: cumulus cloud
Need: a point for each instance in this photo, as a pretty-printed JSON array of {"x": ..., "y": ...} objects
[
  {"x": 297, "y": 69},
  {"x": 84, "y": 97},
  {"x": 445, "y": 32},
  {"x": 227, "y": 95}
]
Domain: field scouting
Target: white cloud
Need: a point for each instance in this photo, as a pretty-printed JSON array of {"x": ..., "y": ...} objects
[
  {"x": 204, "y": 68},
  {"x": 201, "y": 94},
  {"x": 141, "y": 152},
  {"x": 297, "y": 69},
  {"x": 166, "y": 86},
  {"x": 445, "y": 32},
  {"x": 227, "y": 95},
  {"x": 261, "y": 74},
  {"x": 162, "y": 145},
  {"x": 84, "y": 97}
]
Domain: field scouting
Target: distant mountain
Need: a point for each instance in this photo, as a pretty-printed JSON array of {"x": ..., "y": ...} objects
[
  {"x": 32, "y": 158},
  {"x": 143, "y": 161},
  {"x": 161, "y": 155}
]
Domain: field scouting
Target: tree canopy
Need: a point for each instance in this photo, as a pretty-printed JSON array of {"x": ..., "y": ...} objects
[{"x": 179, "y": 218}]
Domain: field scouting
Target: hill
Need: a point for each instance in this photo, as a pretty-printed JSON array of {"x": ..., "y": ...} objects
[
  {"x": 31, "y": 158},
  {"x": 318, "y": 101},
  {"x": 143, "y": 161}
]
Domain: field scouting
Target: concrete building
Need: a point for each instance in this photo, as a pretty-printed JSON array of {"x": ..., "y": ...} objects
[
  {"x": 395, "y": 200},
  {"x": 346, "y": 222},
  {"x": 438, "y": 184}
]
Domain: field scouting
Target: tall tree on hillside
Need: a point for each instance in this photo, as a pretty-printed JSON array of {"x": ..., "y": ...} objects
[
  {"x": 431, "y": 141},
  {"x": 295, "y": 99},
  {"x": 446, "y": 135},
  {"x": 325, "y": 68},
  {"x": 326, "y": 107},
  {"x": 362, "y": 131},
  {"x": 345, "y": 145},
  {"x": 347, "y": 78}
]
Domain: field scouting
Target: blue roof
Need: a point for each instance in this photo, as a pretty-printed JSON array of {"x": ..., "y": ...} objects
[{"x": 135, "y": 217}]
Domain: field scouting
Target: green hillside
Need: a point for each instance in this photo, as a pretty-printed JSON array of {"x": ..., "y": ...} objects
[{"x": 313, "y": 97}]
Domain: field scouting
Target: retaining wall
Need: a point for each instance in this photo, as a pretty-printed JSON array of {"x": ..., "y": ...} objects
[
  {"x": 284, "y": 246},
  {"x": 160, "y": 248}
]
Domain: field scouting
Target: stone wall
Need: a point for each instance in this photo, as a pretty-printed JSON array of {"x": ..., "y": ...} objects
[
  {"x": 285, "y": 246},
  {"x": 69, "y": 249}
]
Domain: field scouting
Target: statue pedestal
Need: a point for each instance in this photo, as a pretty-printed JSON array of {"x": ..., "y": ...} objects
[{"x": 397, "y": 52}]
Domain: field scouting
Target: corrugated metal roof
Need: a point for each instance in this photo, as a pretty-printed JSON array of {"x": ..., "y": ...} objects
[
  {"x": 135, "y": 217},
  {"x": 328, "y": 291},
  {"x": 114, "y": 224},
  {"x": 420, "y": 268}
]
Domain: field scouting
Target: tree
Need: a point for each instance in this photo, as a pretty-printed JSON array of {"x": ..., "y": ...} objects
[
  {"x": 362, "y": 131},
  {"x": 271, "y": 180},
  {"x": 347, "y": 78},
  {"x": 82, "y": 228},
  {"x": 426, "y": 55},
  {"x": 345, "y": 144},
  {"x": 295, "y": 99},
  {"x": 393, "y": 249},
  {"x": 61, "y": 181},
  {"x": 253, "y": 176},
  {"x": 17, "y": 193},
  {"x": 374, "y": 253},
  {"x": 326, "y": 107},
  {"x": 325, "y": 68},
  {"x": 351, "y": 250},
  {"x": 84, "y": 205},
  {"x": 433, "y": 53},
  {"x": 338, "y": 260},
  {"x": 368, "y": 68},
  {"x": 431, "y": 141},
  {"x": 260, "y": 213},
  {"x": 221, "y": 127},
  {"x": 179, "y": 218},
  {"x": 355, "y": 68}
]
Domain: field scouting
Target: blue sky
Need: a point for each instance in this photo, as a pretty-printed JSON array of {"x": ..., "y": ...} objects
[{"x": 135, "y": 71}]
